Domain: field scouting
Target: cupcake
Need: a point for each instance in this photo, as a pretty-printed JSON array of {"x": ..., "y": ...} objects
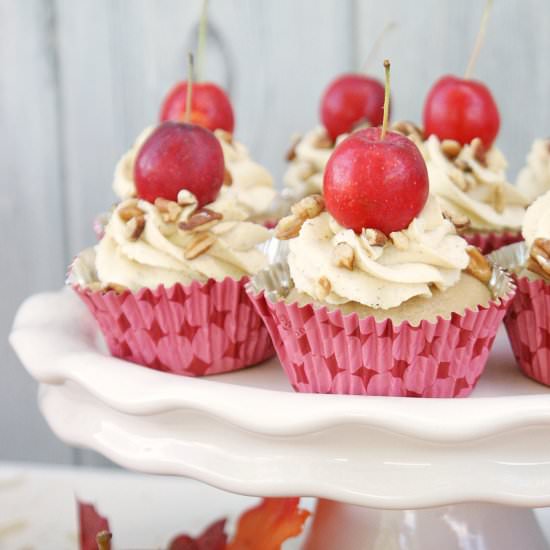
[
  {"x": 528, "y": 321},
  {"x": 350, "y": 102},
  {"x": 245, "y": 181},
  {"x": 379, "y": 295},
  {"x": 471, "y": 183},
  {"x": 166, "y": 281},
  {"x": 534, "y": 178}
]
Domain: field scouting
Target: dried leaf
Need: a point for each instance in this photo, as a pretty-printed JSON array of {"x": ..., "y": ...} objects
[{"x": 269, "y": 524}]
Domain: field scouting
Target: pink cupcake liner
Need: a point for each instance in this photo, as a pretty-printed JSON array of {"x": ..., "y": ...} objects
[
  {"x": 326, "y": 351},
  {"x": 195, "y": 330},
  {"x": 488, "y": 242}
]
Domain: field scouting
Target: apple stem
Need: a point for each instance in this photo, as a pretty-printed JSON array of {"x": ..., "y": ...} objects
[
  {"x": 103, "y": 540},
  {"x": 390, "y": 25},
  {"x": 479, "y": 40},
  {"x": 189, "y": 97},
  {"x": 203, "y": 28},
  {"x": 386, "y": 99}
]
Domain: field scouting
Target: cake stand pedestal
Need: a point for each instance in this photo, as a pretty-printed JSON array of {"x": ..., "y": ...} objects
[{"x": 389, "y": 472}]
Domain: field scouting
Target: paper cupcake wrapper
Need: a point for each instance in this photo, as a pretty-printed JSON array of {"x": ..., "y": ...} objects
[
  {"x": 528, "y": 319},
  {"x": 326, "y": 351},
  {"x": 195, "y": 330},
  {"x": 488, "y": 242}
]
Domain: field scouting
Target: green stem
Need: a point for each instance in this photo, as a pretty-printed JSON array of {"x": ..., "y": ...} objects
[
  {"x": 386, "y": 99},
  {"x": 203, "y": 28},
  {"x": 479, "y": 39}
]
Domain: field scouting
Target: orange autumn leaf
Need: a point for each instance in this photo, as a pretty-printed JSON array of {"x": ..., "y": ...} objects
[{"x": 269, "y": 524}]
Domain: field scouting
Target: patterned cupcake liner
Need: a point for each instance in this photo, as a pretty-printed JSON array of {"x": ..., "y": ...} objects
[
  {"x": 194, "y": 330},
  {"x": 488, "y": 242},
  {"x": 325, "y": 351},
  {"x": 528, "y": 319}
]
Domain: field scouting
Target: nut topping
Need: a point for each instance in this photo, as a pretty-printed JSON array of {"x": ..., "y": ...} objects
[
  {"x": 450, "y": 148},
  {"x": 323, "y": 142},
  {"x": 322, "y": 288},
  {"x": 169, "y": 210},
  {"x": 119, "y": 289},
  {"x": 135, "y": 227},
  {"x": 479, "y": 152},
  {"x": 407, "y": 128},
  {"x": 343, "y": 255},
  {"x": 460, "y": 221},
  {"x": 126, "y": 213},
  {"x": 539, "y": 258},
  {"x": 309, "y": 207},
  {"x": 227, "y": 177},
  {"x": 479, "y": 266},
  {"x": 291, "y": 153},
  {"x": 198, "y": 245},
  {"x": 374, "y": 237},
  {"x": 198, "y": 220}
]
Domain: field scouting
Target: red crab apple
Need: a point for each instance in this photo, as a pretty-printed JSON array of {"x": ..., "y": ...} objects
[
  {"x": 179, "y": 156},
  {"x": 349, "y": 100},
  {"x": 376, "y": 179},
  {"x": 210, "y": 106},
  {"x": 461, "y": 109}
]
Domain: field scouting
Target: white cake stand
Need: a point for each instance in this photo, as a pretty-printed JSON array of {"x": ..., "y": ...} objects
[{"x": 479, "y": 464}]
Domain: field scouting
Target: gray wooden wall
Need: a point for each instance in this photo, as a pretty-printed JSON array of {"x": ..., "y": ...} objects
[{"x": 80, "y": 78}]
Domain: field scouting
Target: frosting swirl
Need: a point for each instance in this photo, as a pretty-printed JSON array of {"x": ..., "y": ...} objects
[
  {"x": 534, "y": 177},
  {"x": 304, "y": 175},
  {"x": 474, "y": 187},
  {"x": 536, "y": 224},
  {"x": 428, "y": 252},
  {"x": 251, "y": 184},
  {"x": 162, "y": 252}
]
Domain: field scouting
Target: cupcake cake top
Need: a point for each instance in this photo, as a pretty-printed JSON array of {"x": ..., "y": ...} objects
[
  {"x": 168, "y": 242},
  {"x": 471, "y": 181},
  {"x": 246, "y": 181},
  {"x": 534, "y": 177}
]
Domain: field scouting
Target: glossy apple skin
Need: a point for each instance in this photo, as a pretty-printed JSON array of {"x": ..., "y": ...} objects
[
  {"x": 179, "y": 156},
  {"x": 351, "y": 99},
  {"x": 210, "y": 106},
  {"x": 462, "y": 110},
  {"x": 374, "y": 183}
]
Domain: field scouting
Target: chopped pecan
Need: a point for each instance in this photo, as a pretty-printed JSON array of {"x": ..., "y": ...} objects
[
  {"x": 198, "y": 220},
  {"x": 126, "y": 213},
  {"x": 374, "y": 237},
  {"x": 539, "y": 258},
  {"x": 309, "y": 206},
  {"x": 479, "y": 266},
  {"x": 115, "y": 287},
  {"x": 135, "y": 227},
  {"x": 450, "y": 148},
  {"x": 169, "y": 210},
  {"x": 227, "y": 177},
  {"x": 407, "y": 128},
  {"x": 291, "y": 153},
  {"x": 460, "y": 221},
  {"x": 462, "y": 165},
  {"x": 479, "y": 151},
  {"x": 198, "y": 245},
  {"x": 343, "y": 255},
  {"x": 323, "y": 288},
  {"x": 288, "y": 227},
  {"x": 323, "y": 141}
]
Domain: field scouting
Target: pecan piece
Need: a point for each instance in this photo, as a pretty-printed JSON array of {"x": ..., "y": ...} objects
[
  {"x": 291, "y": 153},
  {"x": 539, "y": 258},
  {"x": 323, "y": 141},
  {"x": 343, "y": 255},
  {"x": 407, "y": 128},
  {"x": 126, "y": 213},
  {"x": 135, "y": 227},
  {"x": 450, "y": 148},
  {"x": 198, "y": 220},
  {"x": 170, "y": 210},
  {"x": 309, "y": 206},
  {"x": 198, "y": 245},
  {"x": 460, "y": 221},
  {"x": 479, "y": 266},
  {"x": 479, "y": 151},
  {"x": 115, "y": 287},
  {"x": 375, "y": 237},
  {"x": 323, "y": 288},
  {"x": 227, "y": 177},
  {"x": 288, "y": 227}
]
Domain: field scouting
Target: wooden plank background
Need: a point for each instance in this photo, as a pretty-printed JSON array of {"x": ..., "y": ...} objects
[{"x": 80, "y": 79}]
